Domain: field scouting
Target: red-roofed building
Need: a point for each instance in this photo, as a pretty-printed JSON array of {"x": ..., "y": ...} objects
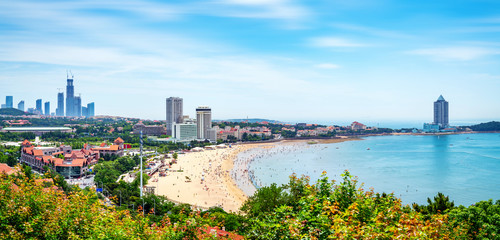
[
  {"x": 358, "y": 126},
  {"x": 115, "y": 149},
  {"x": 74, "y": 165},
  {"x": 4, "y": 168}
]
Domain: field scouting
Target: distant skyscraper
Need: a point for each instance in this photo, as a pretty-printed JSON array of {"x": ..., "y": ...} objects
[
  {"x": 78, "y": 106},
  {"x": 70, "y": 95},
  {"x": 39, "y": 106},
  {"x": 20, "y": 106},
  {"x": 174, "y": 113},
  {"x": 441, "y": 112},
  {"x": 85, "y": 112},
  {"x": 47, "y": 108},
  {"x": 90, "y": 109},
  {"x": 60, "y": 104},
  {"x": 8, "y": 102},
  {"x": 203, "y": 121}
]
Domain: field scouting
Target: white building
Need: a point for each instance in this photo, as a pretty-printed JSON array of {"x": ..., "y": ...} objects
[{"x": 184, "y": 131}]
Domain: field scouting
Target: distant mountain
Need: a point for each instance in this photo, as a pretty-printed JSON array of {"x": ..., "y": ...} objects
[
  {"x": 13, "y": 112},
  {"x": 250, "y": 120}
]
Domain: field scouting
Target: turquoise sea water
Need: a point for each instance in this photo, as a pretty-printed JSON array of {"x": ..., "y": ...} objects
[{"x": 466, "y": 167}]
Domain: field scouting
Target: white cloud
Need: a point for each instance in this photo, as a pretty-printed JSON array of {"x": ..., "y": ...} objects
[
  {"x": 371, "y": 31},
  {"x": 328, "y": 66},
  {"x": 334, "y": 42},
  {"x": 285, "y": 10},
  {"x": 455, "y": 53}
]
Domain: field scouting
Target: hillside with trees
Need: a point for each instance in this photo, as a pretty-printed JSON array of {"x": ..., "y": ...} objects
[{"x": 486, "y": 127}]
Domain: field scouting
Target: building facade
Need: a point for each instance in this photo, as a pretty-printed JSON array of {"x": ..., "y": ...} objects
[
  {"x": 203, "y": 121},
  {"x": 152, "y": 130},
  {"x": 20, "y": 106},
  {"x": 60, "y": 104},
  {"x": 9, "y": 102},
  {"x": 47, "y": 108},
  {"x": 69, "y": 163},
  {"x": 78, "y": 106},
  {"x": 70, "y": 94},
  {"x": 174, "y": 112},
  {"x": 441, "y": 112},
  {"x": 90, "y": 109},
  {"x": 185, "y": 131},
  {"x": 39, "y": 106}
]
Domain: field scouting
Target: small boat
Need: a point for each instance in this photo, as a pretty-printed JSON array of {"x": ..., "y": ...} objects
[{"x": 368, "y": 149}]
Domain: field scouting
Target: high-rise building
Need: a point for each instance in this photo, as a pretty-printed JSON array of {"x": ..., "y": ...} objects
[
  {"x": 20, "y": 105},
  {"x": 39, "y": 106},
  {"x": 174, "y": 113},
  {"x": 203, "y": 121},
  {"x": 441, "y": 112},
  {"x": 60, "y": 104},
  {"x": 47, "y": 108},
  {"x": 78, "y": 106},
  {"x": 90, "y": 109},
  {"x": 85, "y": 112},
  {"x": 8, "y": 102},
  {"x": 70, "y": 95}
]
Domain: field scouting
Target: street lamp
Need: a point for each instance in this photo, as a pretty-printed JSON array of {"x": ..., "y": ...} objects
[{"x": 143, "y": 206}]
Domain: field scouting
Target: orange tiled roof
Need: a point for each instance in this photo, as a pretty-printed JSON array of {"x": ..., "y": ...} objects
[
  {"x": 57, "y": 153},
  {"x": 26, "y": 142},
  {"x": 119, "y": 140},
  {"x": 37, "y": 152},
  {"x": 103, "y": 144},
  {"x": 4, "y": 168}
]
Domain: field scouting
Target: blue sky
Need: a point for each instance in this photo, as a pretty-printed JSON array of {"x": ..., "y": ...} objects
[{"x": 326, "y": 61}]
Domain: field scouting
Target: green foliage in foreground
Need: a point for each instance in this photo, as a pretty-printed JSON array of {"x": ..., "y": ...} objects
[
  {"x": 329, "y": 210},
  {"x": 34, "y": 209}
]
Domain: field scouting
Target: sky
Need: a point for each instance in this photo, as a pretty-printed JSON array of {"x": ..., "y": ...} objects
[{"x": 328, "y": 61}]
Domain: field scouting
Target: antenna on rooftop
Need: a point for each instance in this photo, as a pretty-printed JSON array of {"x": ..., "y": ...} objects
[
  {"x": 60, "y": 89},
  {"x": 67, "y": 75},
  {"x": 71, "y": 74}
]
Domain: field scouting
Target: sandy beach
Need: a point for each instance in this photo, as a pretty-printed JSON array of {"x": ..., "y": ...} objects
[
  {"x": 203, "y": 179},
  {"x": 207, "y": 178}
]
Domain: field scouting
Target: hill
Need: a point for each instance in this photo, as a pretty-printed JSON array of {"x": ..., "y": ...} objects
[
  {"x": 486, "y": 127},
  {"x": 13, "y": 112}
]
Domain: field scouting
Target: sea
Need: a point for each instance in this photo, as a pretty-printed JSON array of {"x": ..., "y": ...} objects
[{"x": 465, "y": 167}]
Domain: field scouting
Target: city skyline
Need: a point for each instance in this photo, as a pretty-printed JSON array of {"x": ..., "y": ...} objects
[{"x": 286, "y": 60}]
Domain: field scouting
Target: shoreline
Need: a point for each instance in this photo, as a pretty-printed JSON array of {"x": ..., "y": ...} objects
[{"x": 207, "y": 179}]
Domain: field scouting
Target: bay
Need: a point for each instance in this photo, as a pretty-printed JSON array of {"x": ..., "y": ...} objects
[{"x": 465, "y": 167}]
